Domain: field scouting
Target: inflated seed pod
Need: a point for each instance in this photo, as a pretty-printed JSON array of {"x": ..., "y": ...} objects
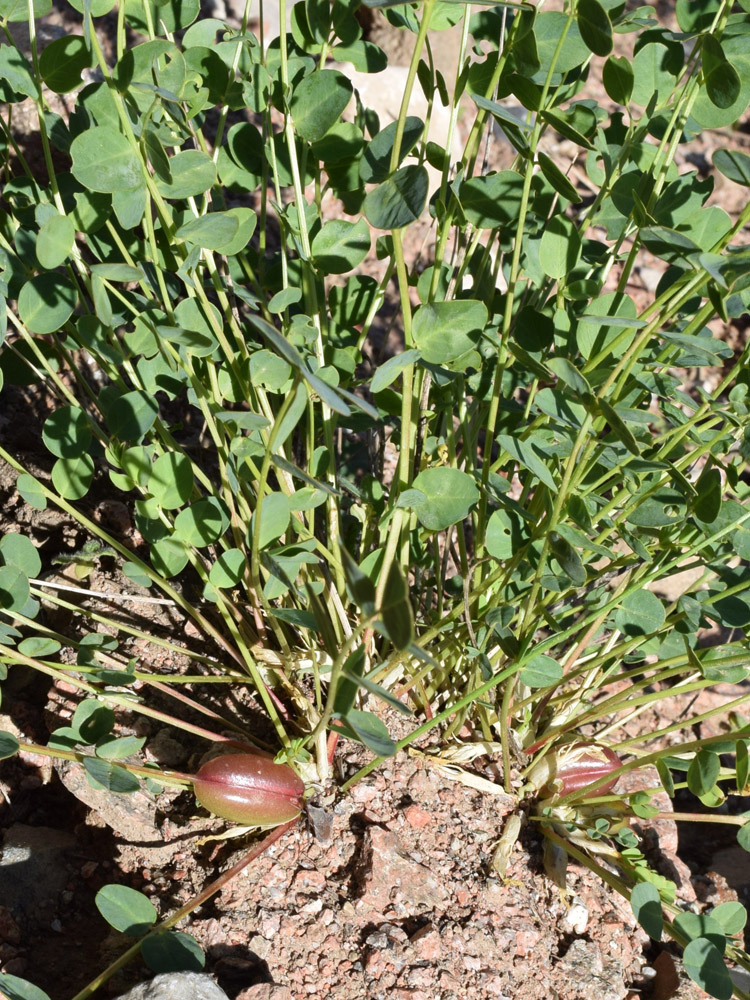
[
  {"x": 572, "y": 767},
  {"x": 587, "y": 762},
  {"x": 249, "y": 789}
]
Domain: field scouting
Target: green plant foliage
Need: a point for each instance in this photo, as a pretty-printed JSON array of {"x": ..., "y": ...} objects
[
  {"x": 641, "y": 613},
  {"x": 704, "y": 965},
  {"x": 646, "y": 904},
  {"x": 16, "y": 988},
  {"x": 445, "y": 331},
  {"x": 399, "y": 200},
  {"x": 441, "y": 497},
  {"x": 126, "y": 909},
  {"x": 393, "y": 431},
  {"x": 8, "y": 745},
  {"x": 172, "y": 951}
]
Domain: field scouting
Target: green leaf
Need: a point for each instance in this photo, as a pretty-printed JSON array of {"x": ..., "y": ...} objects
[
  {"x": 492, "y": 200},
  {"x": 618, "y": 79},
  {"x": 562, "y": 124},
  {"x": 201, "y": 523},
  {"x": 696, "y": 15},
  {"x": 703, "y": 772},
  {"x": 72, "y": 477},
  {"x": 104, "y": 160},
  {"x": 618, "y": 426},
  {"x": 665, "y": 776},
  {"x": 96, "y": 8},
  {"x": 557, "y": 178},
  {"x": 55, "y": 241},
  {"x": 129, "y": 206},
  {"x": 526, "y": 453},
  {"x": 125, "y": 909},
  {"x": 14, "y": 987},
  {"x": 172, "y": 14},
  {"x": 9, "y": 745},
  {"x": 664, "y": 507},
  {"x": 705, "y": 966},
  {"x": 348, "y": 685},
  {"x": 269, "y": 370},
  {"x": 39, "y": 646},
  {"x": 567, "y": 372},
  {"x": 169, "y": 556},
  {"x": 193, "y": 173},
  {"x": 444, "y": 331},
  {"x": 723, "y": 86},
  {"x": 104, "y": 776},
  {"x": 246, "y": 223},
  {"x": 734, "y": 165},
  {"x": 210, "y": 231},
  {"x": 67, "y": 432},
  {"x": 501, "y": 114},
  {"x": 732, "y": 611},
  {"x": 170, "y": 482},
  {"x": 31, "y": 491},
  {"x": 707, "y": 505},
  {"x": 366, "y": 57},
  {"x": 558, "y": 38},
  {"x": 360, "y": 586},
  {"x": 14, "y": 589},
  {"x": 540, "y": 672},
  {"x": 568, "y": 559},
  {"x": 18, "y": 10},
  {"x": 130, "y": 416},
  {"x": 228, "y": 569},
  {"x": 399, "y": 200},
  {"x": 701, "y": 925},
  {"x": 390, "y": 371},
  {"x": 731, "y": 917},
  {"x": 595, "y": 27},
  {"x": 742, "y": 765},
  {"x": 364, "y": 727},
  {"x": 172, "y": 951},
  {"x": 18, "y": 550},
  {"x": 17, "y": 71},
  {"x": 655, "y": 69},
  {"x": 504, "y": 536},
  {"x": 743, "y": 837},
  {"x": 375, "y": 165},
  {"x": 46, "y": 303},
  {"x": 396, "y": 611},
  {"x": 274, "y": 519},
  {"x": 318, "y": 101},
  {"x": 341, "y": 246},
  {"x": 444, "y": 496},
  {"x": 641, "y": 613},
  {"x": 560, "y": 247},
  {"x": 601, "y": 328},
  {"x": 646, "y": 905},
  {"x": 62, "y": 62},
  {"x": 91, "y": 721},
  {"x": 119, "y": 748}
]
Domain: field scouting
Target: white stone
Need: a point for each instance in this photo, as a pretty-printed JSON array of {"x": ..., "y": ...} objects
[{"x": 176, "y": 986}]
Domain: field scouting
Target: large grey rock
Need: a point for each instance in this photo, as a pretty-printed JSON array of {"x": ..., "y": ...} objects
[{"x": 176, "y": 986}]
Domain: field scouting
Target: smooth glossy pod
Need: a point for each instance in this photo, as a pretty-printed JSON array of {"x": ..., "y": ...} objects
[{"x": 249, "y": 789}]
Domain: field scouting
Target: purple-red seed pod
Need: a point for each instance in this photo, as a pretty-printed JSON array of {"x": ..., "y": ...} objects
[
  {"x": 573, "y": 767},
  {"x": 588, "y": 762},
  {"x": 249, "y": 789}
]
